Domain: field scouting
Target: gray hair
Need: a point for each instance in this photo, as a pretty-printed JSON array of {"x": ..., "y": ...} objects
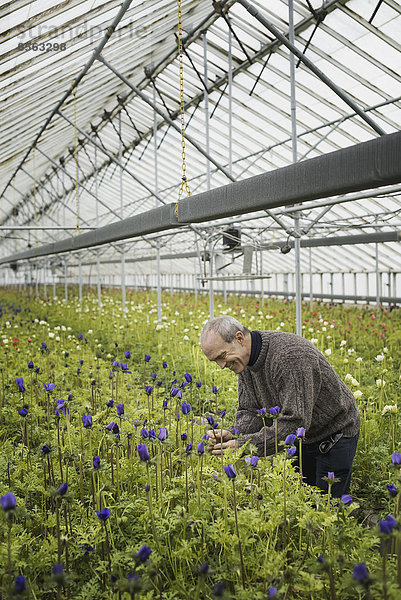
[{"x": 225, "y": 326}]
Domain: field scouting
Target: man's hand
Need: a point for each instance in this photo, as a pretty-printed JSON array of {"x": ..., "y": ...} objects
[
  {"x": 220, "y": 448},
  {"x": 222, "y": 440},
  {"x": 217, "y": 435}
]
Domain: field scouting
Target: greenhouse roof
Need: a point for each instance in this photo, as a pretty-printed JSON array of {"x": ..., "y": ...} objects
[{"x": 62, "y": 143}]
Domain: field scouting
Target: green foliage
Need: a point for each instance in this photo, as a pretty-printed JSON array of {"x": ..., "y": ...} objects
[{"x": 188, "y": 517}]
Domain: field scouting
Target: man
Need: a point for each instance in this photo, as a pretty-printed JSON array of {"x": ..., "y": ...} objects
[{"x": 285, "y": 370}]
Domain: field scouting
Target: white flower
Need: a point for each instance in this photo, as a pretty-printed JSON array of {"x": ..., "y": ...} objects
[
  {"x": 346, "y": 361},
  {"x": 5, "y": 341},
  {"x": 343, "y": 343},
  {"x": 282, "y": 324},
  {"x": 348, "y": 377},
  {"x": 328, "y": 352},
  {"x": 324, "y": 329},
  {"x": 186, "y": 337},
  {"x": 314, "y": 341},
  {"x": 57, "y": 338},
  {"x": 99, "y": 346},
  {"x": 354, "y": 382},
  {"x": 311, "y": 329},
  {"x": 380, "y": 357},
  {"x": 90, "y": 331},
  {"x": 51, "y": 334},
  {"x": 358, "y": 394},
  {"x": 380, "y": 383},
  {"x": 389, "y": 408},
  {"x": 359, "y": 359}
]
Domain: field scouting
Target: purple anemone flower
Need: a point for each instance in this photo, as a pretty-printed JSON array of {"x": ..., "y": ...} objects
[
  {"x": 143, "y": 554},
  {"x": 62, "y": 490},
  {"x": 185, "y": 408},
  {"x": 20, "y": 383},
  {"x": 8, "y": 502},
  {"x": 301, "y": 432},
  {"x": 50, "y": 387},
  {"x": 230, "y": 471},
  {"x": 120, "y": 409},
  {"x": 361, "y": 573},
  {"x": 103, "y": 514},
  {"x": 386, "y": 527},
  {"x": 143, "y": 452},
  {"x": 87, "y": 421},
  {"x": 162, "y": 434},
  {"x": 200, "y": 448}
]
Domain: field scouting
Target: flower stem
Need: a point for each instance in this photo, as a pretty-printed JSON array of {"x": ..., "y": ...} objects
[{"x": 239, "y": 540}]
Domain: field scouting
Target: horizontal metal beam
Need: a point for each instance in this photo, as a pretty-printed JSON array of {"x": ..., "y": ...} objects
[
  {"x": 363, "y": 166},
  {"x": 342, "y": 240}
]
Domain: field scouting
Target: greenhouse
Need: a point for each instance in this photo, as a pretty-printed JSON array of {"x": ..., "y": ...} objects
[{"x": 200, "y": 290}]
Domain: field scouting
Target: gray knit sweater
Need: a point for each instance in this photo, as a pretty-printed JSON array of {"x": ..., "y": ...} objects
[{"x": 294, "y": 375}]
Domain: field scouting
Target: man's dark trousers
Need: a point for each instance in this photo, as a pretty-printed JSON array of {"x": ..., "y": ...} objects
[{"x": 316, "y": 465}]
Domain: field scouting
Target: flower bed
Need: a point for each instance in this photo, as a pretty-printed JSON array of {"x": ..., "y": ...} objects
[{"x": 107, "y": 489}]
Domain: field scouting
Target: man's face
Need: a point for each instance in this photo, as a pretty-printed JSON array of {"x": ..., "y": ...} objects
[{"x": 234, "y": 355}]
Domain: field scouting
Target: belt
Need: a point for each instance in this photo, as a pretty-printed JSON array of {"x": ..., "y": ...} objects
[{"x": 327, "y": 445}]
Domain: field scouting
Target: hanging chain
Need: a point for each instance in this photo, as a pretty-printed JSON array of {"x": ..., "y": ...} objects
[
  {"x": 76, "y": 159},
  {"x": 184, "y": 180}
]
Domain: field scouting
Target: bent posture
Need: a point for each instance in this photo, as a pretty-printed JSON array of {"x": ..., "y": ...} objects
[{"x": 285, "y": 370}]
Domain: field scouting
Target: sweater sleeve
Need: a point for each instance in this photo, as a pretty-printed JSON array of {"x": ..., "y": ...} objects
[{"x": 297, "y": 384}]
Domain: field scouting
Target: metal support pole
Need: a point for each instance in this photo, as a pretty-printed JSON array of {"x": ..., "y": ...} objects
[
  {"x": 230, "y": 102},
  {"x": 80, "y": 279},
  {"x": 378, "y": 290},
  {"x": 54, "y": 284},
  {"x": 155, "y": 145},
  {"x": 99, "y": 298},
  {"x": 355, "y": 287},
  {"x": 367, "y": 285},
  {"x": 395, "y": 285},
  {"x": 36, "y": 282},
  {"x": 211, "y": 291},
  {"x": 389, "y": 287},
  {"x": 65, "y": 282},
  {"x": 44, "y": 281},
  {"x": 343, "y": 284},
  {"x": 159, "y": 288},
  {"x": 206, "y": 108},
  {"x": 120, "y": 158},
  {"x": 262, "y": 286},
  {"x": 297, "y": 243}
]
